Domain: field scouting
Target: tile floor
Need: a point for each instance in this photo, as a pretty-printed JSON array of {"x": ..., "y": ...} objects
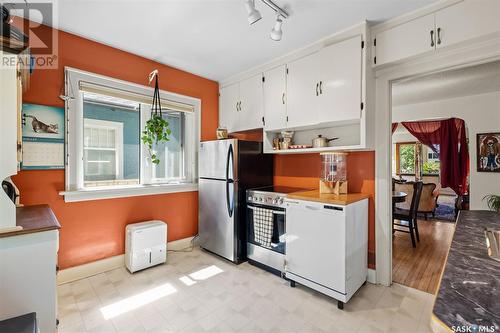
[{"x": 198, "y": 292}]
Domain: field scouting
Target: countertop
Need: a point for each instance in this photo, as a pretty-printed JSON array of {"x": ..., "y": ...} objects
[
  {"x": 333, "y": 199},
  {"x": 469, "y": 292},
  {"x": 22, "y": 324},
  {"x": 33, "y": 219}
]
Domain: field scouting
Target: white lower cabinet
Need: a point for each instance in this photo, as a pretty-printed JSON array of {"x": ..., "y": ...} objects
[{"x": 326, "y": 246}]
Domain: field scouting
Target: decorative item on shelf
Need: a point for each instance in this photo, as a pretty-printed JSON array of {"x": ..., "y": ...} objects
[
  {"x": 334, "y": 173},
  {"x": 493, "y": 202},
  {"x": 157, "y": 129},
  {"x": 283, "y": 141},
  {"x": 221, "y": 133},
  {"x": 321, "y": 142}
]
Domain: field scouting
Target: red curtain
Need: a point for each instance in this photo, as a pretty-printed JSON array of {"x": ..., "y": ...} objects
[
  {"x": 448, "y": 138},
  {"x": 394, "y": 127}
]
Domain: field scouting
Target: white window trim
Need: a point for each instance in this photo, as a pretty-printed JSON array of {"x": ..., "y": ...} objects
[{"x": 74, "y": 190}]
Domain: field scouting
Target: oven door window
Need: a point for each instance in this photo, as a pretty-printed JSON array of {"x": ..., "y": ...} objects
[{"x": 278, "y": 233}]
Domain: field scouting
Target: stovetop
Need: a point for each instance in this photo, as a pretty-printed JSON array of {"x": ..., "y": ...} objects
[
  {"x": 276, "y": 189},
  {"x": 273, "y": 196}
]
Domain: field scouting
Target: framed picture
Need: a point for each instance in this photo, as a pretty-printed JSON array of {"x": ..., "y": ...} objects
[
  {"x": 488, "y": 152},
  {"x": 43, "y": 137}
]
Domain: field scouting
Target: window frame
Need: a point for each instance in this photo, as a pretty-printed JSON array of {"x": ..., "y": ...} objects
[
  {"x": 74, "y": 189},
  {"x": 398, "y": 157}
]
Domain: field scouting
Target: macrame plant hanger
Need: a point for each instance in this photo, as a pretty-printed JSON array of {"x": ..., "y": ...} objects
[{"x": 156, "y": 105}]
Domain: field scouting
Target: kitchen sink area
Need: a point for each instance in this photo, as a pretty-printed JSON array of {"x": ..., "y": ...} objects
[{"x": 493, "y": 243}]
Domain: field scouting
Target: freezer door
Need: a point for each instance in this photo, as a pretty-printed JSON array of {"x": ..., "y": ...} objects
[
  {"x": 217, "y": 216},
  {"x": 218, "y": 159}
]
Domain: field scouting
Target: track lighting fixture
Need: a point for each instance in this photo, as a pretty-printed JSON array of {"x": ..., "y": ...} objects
[
  {"x": 254, "y": 16},
  {"x": 276, "y": 32}
]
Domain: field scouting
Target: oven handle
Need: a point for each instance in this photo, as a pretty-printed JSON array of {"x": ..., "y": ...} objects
[{"x": 277, "y": 212}]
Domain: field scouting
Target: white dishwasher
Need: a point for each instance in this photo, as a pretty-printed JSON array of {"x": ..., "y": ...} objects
[{"x": 326, "y": 246}]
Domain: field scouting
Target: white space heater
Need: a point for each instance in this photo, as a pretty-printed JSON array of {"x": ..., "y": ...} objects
[{"x": 145, "y": 245}]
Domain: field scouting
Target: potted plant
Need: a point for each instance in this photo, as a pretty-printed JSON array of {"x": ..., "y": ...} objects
[
  {"x": 493, "y": 202},
  {"x": 156, "y": 129}
]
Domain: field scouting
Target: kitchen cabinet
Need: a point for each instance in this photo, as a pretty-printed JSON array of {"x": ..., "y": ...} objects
[
  {"x": 466, "y": 20},
  {"x": 460, "y": 22},
  {"x": 325, "y": 87},
  {"x": 326, "y": 246},
  {"x": 303, "y": 91},
  {"x": 340, "y": 67},
  {"x": 241, "y": 105},
  {"x": 251, "y": 99},
  {"x": 229, "y": 105},
  {"x": 405, "y": 40},
  {"x": 274, "y": 91},
  {"x": 9, "y": 111}
]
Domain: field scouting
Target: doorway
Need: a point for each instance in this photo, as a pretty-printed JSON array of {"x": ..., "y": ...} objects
[{"x": 470, "y": 94}]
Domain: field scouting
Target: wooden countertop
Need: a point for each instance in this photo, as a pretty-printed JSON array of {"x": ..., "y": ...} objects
[
  {"x": 33, "y": 219},
  {"x": 334, "y": 199}
]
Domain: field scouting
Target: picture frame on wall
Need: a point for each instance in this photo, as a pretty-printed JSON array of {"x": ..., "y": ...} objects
[
  {"x": 488, "y": 152},
  {"x": 43, "y": 137}
]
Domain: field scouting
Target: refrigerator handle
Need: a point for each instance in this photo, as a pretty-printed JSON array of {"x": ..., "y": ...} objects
[{"x": 229, "y": 163}]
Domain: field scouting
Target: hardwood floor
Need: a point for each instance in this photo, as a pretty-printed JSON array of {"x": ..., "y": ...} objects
[{"x": 421, "y": 267}]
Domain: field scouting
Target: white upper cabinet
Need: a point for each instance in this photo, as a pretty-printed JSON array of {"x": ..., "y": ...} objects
[
  {"x": 460, "y": 22},
  {"x": 467, "y": 20},
  {"x": 240, "y": 105},
  {"x": 228, "y": 106},
  {"x": 251, "y": 104},
  {"x": 405, "y": 40},
  {"x": 275, "y": 98},
  {"x": 303, "y": 91},
  {"x": 340, "y": 75}
]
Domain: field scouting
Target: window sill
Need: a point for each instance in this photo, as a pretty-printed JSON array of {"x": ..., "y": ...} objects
[{"x": 126, "y": 191}]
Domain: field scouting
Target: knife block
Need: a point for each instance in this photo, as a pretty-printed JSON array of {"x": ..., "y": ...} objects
[{"x": 327, "y": 187}]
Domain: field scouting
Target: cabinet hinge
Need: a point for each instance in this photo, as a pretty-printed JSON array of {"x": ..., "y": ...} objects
[
  {"x": 362, "y": 44},
  {"x": 375, "y": 42},
  {"x": 263, "y": 79},
  {"x": 263, "y": 121},
  {"x": 375, "y": 60},
  {"x": 362, "y": 105}
]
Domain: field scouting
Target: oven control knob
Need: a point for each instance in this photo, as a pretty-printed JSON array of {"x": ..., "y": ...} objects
[
  {"x": 260, "y": 199},
  {"x": 254, "y": 199},
  {"x": 275, "y": 201},
  {"x": 249, "y": 198},
  {"x": 281, "y": 201}
]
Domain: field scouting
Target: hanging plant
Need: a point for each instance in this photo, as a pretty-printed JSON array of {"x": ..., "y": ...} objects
[{"x": 157, "y": 129}]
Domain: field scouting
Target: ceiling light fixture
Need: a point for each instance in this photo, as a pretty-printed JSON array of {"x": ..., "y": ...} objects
[
  {"x": 276, "y": 32},
  {"x": 253, "y": 14}
]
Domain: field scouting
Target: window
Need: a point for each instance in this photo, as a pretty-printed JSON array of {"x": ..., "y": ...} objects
[
  {"x": 106, "y": 157},
  {"x": 431, "y": 164},
  {"x": 406, "y": 158}
]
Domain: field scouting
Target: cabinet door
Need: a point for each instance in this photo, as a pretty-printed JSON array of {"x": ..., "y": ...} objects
[
  {"x": 228, "y": 107},
  {"x": 303, "y": 91},
  {"x": 250, "y": 114},
  {"x": 406, "y": 40},
  {"x": 340, "y": 81},
  {"x": 467, "y": 20},
  {"x": 315, "y": 243},
  {"x": 274, "y": 98}
]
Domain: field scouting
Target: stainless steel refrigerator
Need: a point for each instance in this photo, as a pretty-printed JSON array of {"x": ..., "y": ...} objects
[{"x": 227, "y": 168}]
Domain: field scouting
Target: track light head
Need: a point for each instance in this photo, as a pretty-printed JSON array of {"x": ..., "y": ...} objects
[
  {"x": 276, "y": 32},
  {"x": 253, "y": 14}
]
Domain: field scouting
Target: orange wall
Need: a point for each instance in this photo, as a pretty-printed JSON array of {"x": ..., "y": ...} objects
[
  {"x": 303, "y": 170},
  {"x": 94, "y": 230}
]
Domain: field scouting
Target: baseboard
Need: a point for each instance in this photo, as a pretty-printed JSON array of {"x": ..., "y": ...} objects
[
  {"x": 100, "y": 266},
  {"x": 372, "y": 276}
]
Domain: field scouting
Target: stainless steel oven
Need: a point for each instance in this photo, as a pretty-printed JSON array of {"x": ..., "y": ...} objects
[{"x": 268, "y": 254}]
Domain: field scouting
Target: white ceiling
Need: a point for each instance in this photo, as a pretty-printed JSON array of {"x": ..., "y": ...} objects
[
  {"x": 474, "y": 80},
  {"x": 212, "y": 38}
]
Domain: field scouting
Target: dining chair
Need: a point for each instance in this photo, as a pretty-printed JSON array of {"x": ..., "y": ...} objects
[{"x": 409, "y": 215}]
